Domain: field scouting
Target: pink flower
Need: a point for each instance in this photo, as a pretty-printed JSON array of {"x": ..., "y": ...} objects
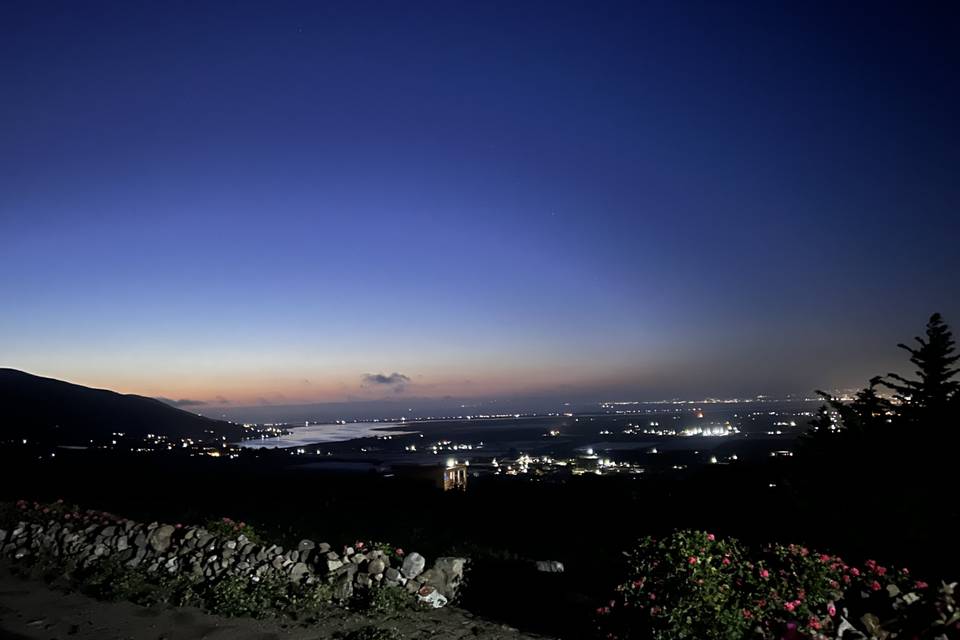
[
  {"x": 747, "y": 614},
  {"x": 854, "y": 572},
  {"x": 653, "y": 596},
  {"x": 764, "y": 574},
  {"x": 711, "y": 537},
  {"x": 398, "y": 551},
  {"x": 692, "y": 560},
  {"x": 831, "y": 610},
  {"x": 824, "y": 558},
  {"x": 725, "y": 561},
  {"x": 920, "y": 584},
  {"x": 789, "y": 606},
  {"x": 875, "y": 585},
  {"x": 358, "y": 545},
  {"x": 814, "y": 623},
  {"x": 905, "y": 571},
  {"x": 881, "y": 570}
]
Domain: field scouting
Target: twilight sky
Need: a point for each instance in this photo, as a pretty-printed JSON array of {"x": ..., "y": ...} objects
[{"x": 278, "y": 202}]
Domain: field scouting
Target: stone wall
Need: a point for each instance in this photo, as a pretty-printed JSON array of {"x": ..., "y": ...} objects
[{"x": 85, "y": 538}]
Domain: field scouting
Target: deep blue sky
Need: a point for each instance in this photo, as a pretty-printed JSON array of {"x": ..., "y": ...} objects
[{"x": 262, "y": 202}]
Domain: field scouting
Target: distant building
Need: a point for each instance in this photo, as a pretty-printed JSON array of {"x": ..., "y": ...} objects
[
  {"x": 448, "y": 477},
  {"x": 455, "y": 477}
]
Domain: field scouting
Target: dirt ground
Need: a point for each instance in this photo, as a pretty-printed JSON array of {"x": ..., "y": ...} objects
[{"x": 31, "y": 610}]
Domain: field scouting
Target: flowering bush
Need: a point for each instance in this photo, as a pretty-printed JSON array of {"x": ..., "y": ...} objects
[
  {"x": 694, "y": 585},
  {"x": 37, "y": 512},
  {"x": 229, "y": 528},
  {"x": 386, "y": 548}
]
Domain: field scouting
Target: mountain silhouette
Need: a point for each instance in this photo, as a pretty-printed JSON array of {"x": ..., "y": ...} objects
[{"x": 49, "y": 410}]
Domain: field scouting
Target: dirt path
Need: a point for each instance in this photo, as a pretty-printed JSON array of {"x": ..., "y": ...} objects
[{"x": 31, "y": 610}]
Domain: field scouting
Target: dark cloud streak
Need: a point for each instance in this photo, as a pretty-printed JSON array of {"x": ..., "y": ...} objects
[
  {"x": 182, "y": 402},
  {"x": 392, "y": 379}
]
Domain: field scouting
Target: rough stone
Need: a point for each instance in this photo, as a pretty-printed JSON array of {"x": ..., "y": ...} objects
[
  {"x": 549, "y": 566},
  {"x": 451, "y": 575},
  {"x": 159, "y": 539},
  {"x": 413, "y": 565},
  {"x": 305, "y": 545},
  {"x": 343, "y": 587},
  {"x": 298, "y": 572}
]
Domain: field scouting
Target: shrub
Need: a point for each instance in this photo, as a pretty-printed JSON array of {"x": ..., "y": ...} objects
[
  {"x": 309, "y": 601},
  {"x": 109, "y": 579},
  {"x": 694, "y": 585},
  {"x": 177, "y": 590},
  {"x": 384, "y": 599},
  {"x": 229, "y": 528},
  {"x": 235, "y": 595}
]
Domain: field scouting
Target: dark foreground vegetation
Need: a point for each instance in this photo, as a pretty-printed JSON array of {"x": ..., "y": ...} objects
[{"x": 874, "y": 480}]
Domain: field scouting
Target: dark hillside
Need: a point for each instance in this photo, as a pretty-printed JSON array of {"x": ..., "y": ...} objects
[{"x": 59, "y": 412}]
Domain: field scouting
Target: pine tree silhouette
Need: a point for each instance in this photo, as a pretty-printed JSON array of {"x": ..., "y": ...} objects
[
  {"x": 930, "y": 397},
  {"x": 867, "y": 412},
  {"x": 842, "y": 426}
]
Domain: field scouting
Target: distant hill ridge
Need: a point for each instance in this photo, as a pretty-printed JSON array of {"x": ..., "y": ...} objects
[{"x": 64, "y": 413}]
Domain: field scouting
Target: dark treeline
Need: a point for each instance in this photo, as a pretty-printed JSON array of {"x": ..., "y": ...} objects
[
  {"x": 925, "y": 409},
  {"x": 881, "y": 470}
]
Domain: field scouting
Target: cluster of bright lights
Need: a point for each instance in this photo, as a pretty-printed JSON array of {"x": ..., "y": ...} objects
[{"x": 447, "y": 445}]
